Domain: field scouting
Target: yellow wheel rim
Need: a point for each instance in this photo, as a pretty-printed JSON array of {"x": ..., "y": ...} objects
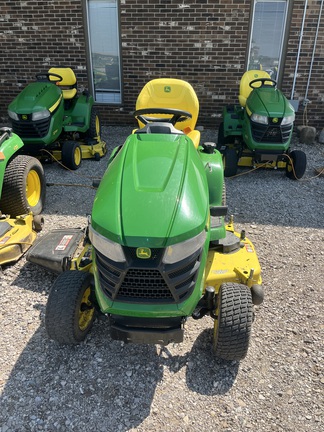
[
  {"x": 86, "y": 311},
  {"x": 77, "y": 156},
  {"x": 33, "y": 188}
]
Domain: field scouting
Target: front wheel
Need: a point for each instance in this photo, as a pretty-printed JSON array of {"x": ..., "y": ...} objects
[
  {"x": 95, "y": 124},
  {"x": 296, "y": 165},
  {"x": 71, "y": 155},
  {"x": 70, "y": 310},
  {"x": 24, "y": 187},
  {"x": 232, "y": 328}
]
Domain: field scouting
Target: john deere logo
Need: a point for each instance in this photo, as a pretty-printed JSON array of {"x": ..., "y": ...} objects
[
  {"x": 24, "y": 117},
  {"x": 143, "y": 253},
  {"x": 275, "y": 120},
  {"x": 167, "y": 89}
]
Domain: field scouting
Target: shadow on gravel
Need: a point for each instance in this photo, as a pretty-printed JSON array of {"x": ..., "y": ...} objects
[
  {"x": 205, "y": 374},
  {"x": 98, "y": 385},
  {"x": 102, "y": 383}
]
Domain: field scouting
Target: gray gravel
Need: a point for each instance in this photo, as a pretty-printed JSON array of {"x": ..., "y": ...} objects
[{"x": 105, "y": 385}]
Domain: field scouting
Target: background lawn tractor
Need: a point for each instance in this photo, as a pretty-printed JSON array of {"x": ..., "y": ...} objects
[
  {"x": 22, "y": 196},
  {"x": 51, "y": 117},
  {"x": 157, "y": 250},
  {"x": 258, "y": 131}
]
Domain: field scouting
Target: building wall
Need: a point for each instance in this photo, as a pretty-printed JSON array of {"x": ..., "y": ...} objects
[{"x": 201, "y": 41}]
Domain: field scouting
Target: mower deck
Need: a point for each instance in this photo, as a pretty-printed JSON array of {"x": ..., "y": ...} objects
[
  {"x": 233, "y": 260},
  {"x": 16, "y": 236}
]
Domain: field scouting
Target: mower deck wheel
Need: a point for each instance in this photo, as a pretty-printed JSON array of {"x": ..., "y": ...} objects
[
  {"x": 71, "y": 155},
  {"x": 70, "y": 312},
  {"x": 38, "y": 223},
  {"x": 24, "y": 187},
  {"x": 232, "y": 328},
  {"x": 296, "y": 165}
]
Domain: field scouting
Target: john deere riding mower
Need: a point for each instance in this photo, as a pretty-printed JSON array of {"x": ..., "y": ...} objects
[
  {"x": 258, "y": 131},
  {"x": 22, "y": 196},
  {"x": 157, "y": 250},
  {"x": 52, "y": 119}
]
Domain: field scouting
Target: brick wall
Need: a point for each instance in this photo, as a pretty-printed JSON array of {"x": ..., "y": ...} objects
[{"x": 201, "y": 41}]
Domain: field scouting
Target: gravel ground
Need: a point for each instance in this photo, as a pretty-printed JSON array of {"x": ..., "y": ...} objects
[{"x": 105, "y": 385}]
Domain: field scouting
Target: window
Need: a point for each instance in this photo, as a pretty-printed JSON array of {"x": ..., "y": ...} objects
[
  {"x": 102, "y": 26},
  {"x": 267, "y": 37}
]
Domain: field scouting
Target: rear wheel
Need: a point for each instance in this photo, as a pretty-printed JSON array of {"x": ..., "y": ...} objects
[
  {"x": 24, "y": 187},
  {"x": 232, "y": 328},
  {"x": 230, "y": 162},
  {"x": 95, "y": 124},
  {"x": 296, "y": 165},
  {"x": 71, "y": 155},
  {"x": 70, "y": 311}
]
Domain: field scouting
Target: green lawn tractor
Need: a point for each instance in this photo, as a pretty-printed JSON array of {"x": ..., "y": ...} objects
[
  {"x": 53, "y": 120},
  {"x": 157, "y": 249},
  {"x": 258, "y": 131},
  {"x": 22, "y": 196}
]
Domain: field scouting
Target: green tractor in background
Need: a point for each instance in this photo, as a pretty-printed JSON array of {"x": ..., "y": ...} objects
[
  {"x": 258, "y": 131},
  {"x": 22, "y": 197},
  {"x": 157, "y": 250},
  {"x": 52, "y": 119}
]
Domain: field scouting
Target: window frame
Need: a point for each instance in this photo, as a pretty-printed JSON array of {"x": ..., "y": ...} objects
[
  {"x": 91, "y": 84},
  {"x": 284, "y": 44}
]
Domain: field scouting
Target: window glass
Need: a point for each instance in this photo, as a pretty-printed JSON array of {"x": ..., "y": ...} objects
[
  {"x": 103, "y": 36},
  {"x": 267, "y": 35}
]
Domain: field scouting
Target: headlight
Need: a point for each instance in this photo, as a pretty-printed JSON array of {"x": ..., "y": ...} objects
[
  {"x": 180, "y": 251},
  {"x": 108, "y": 248},
  {"x": 13, "y": 115},
  {"x": 39, "y": 115},
  {"x": 288, "y": 120},
  {"x": 257, "y": 118}
]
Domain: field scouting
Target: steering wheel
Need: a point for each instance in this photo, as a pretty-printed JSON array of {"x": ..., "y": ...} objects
[
  {"x": 263, "y": 82},
  {"x": 45, "y": 76},
  {"x": 177, "y": 115}
]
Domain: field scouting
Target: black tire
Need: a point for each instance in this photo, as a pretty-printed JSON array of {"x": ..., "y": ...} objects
[
  {"x": 70, "y": 312},
  {"x": 230, "y": 162},
  {"x": 232, "y": 328},
  {"x": 71, "y": 155},
  {"x": 24, "y": 187},
  {"x": 296, "y": 165},
  {"x": 221, "y": 138},
  {"x": 95, "y": 124}
]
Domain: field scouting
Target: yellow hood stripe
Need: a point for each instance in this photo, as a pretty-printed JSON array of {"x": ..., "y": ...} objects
[{"x": 53, "y": 107}]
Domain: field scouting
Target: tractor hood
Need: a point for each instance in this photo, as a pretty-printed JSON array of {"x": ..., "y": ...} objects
[
  {"x": 37, "y": 96},
  {"x": 270, "y": 102},
  {"x": 154, "y": 192}
]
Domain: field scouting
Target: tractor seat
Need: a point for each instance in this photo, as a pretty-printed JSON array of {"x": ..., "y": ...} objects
[
  {"x": 172, "y": 93},
  {"x": 68, "y": 83},
  {"x": 245, "y": 88}
]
